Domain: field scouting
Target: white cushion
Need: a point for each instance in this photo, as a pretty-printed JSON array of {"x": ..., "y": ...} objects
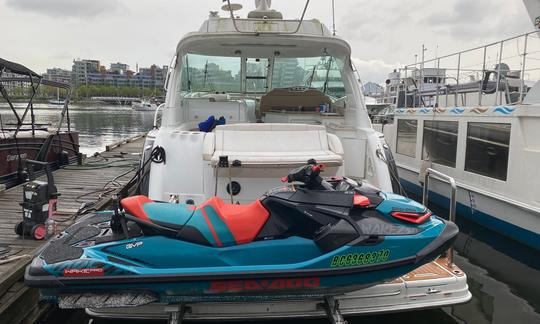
[
  {"x": 269, "y": 126},
  {"x": 279, "y": 144},
  {"x": 335, "y": 144},
  {"x": 279, "y": 159},
  {"x": 208, "y": 146}
]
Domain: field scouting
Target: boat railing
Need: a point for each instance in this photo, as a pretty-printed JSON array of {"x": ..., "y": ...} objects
[
  {"x": 156, "y": 115},
  {"x": 505, "y": 70},
  {"x": 452, "y": 211}
]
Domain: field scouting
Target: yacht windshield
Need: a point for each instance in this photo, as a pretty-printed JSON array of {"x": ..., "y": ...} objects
[
  {"x": 203, "y": 73},
  {"x": 322, "y": 73}
]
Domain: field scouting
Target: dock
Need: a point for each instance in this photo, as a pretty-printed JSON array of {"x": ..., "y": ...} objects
[{"x": 92, "y": 184}]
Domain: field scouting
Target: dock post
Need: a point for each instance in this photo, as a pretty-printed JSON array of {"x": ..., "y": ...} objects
[
  {"x": 331, "y": 307},
  {"x": 176, "y": 313}
]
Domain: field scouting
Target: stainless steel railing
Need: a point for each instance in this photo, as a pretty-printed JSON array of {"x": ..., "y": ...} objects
[
  {"x": 516, "y": 59},
  {"x": 156, "y": 114},
  {"x": 452, "y": 210}
]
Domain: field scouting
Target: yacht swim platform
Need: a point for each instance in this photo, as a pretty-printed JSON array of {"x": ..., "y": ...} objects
[{"x": 431, "y": 286}]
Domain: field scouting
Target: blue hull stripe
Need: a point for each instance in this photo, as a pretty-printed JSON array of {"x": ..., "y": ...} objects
[{"x": 515, "y": 232}]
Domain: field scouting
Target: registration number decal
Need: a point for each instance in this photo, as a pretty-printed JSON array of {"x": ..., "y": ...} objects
[{"x": 355, "y": 259}]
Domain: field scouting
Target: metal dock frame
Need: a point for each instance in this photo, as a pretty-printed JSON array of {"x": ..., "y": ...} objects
[{"x": 452, "y": 210}]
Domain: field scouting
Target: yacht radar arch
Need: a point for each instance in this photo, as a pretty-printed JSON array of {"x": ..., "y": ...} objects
[{"x": 264, "y": 12}]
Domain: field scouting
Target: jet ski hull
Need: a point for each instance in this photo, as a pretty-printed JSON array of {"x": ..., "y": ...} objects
[{"x": 89, "y": 258}]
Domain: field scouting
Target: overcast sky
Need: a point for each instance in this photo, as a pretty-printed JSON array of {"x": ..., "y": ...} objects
[{"x": 383, "y": 34}]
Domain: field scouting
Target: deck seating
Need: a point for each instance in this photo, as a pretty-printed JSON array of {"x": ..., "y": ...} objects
[{"x": 273, "y": 144}]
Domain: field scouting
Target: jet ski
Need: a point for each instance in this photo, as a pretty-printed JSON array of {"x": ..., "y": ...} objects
[{"x": 310, "y": 238}]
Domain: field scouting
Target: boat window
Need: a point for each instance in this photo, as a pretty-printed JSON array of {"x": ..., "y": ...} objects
[
  {"x": 201, "y": 73},
  {"x": 440, "y": 142},
  {"x": 406, "y": 137},
  {"x": 322, "y": 73},
  {"x": 487, "y": 149},
  {"x": 256, "y": 75}
]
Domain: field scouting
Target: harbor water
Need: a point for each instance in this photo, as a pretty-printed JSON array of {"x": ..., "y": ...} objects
[{"x": 503, "y": 275}]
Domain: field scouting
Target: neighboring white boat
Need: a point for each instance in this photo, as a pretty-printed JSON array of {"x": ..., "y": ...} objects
[
  {"x": 143, "y": 105},
  {"x": 474, "y": 118},
  {"x": 374, "y": 106},
  {"x": 287, "y": 91},
  {"x": 57, "y": 102}
]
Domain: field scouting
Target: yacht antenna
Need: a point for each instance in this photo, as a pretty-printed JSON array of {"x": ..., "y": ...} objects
[
  {"x": 333, "y": 18},
  {"x": 205, "y": 74},
  {"x": 263, "y": 5}
]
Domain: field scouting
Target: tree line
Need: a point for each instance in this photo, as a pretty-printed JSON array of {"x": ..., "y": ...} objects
[{"x": 84, "y": 92}]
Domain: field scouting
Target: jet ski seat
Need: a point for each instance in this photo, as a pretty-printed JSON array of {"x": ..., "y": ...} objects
[
  {"x": 213, "y": 223},
  {"x": 173, "y": 216}
]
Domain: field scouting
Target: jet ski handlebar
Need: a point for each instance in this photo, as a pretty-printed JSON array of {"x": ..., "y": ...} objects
[{"x": 309, "y": 174}]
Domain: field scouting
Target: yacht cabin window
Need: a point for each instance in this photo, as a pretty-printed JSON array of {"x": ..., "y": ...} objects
[
  {"x": 432, "y": 80},
  {"x": 440, "y": 142},
  {"x": 487, "y": 149},
  {"x": 322, "y": 73},
  {"x": 406, "y": 137},
  {"x": 256, "y": 75},
  {"x": 205, "y": 73},
  {"x": 201, "y": 73}
]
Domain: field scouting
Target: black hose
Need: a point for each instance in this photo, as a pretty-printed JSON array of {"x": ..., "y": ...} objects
[{"x": 157, "y": 156}]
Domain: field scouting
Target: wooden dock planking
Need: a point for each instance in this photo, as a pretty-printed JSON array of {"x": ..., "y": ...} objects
[{"x": 74, "y": 183}]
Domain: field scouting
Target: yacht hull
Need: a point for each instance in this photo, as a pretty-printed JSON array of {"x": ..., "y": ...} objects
[{"x": 503, "y": 217}]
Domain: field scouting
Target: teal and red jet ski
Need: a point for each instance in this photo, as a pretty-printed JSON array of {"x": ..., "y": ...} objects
[{"x": 320, "y": 238}]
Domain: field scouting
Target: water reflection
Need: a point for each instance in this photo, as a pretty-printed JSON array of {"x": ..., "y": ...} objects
[{"x": 98, "y": 126}]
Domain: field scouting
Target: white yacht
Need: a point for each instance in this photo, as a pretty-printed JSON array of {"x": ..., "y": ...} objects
[
  {"x": 287, "y": 92},
  {"x": 473, "y": 115},
  {"x": 143, "y": 105}
]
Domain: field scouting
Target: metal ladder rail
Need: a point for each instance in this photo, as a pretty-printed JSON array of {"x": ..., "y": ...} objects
[{"x": 452, "y": 210}]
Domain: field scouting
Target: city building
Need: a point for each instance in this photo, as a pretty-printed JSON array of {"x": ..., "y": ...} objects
[
  {"x": 91, "y": 72},
  {"x": 58, "y": 75},
  {"x": 152, "y": 77},
  {"x": 84, "y": 71},
  {"x": 12, "y": 86},
  {"x": 119, "y": 68},
  {"x": 372, "y": 89}
]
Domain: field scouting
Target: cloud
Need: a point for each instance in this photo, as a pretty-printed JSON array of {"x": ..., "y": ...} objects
[
  {"x": 373, "y": 70},
  {"x": 66, "y": 8},
  {"x": 469, "y": 20}
]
